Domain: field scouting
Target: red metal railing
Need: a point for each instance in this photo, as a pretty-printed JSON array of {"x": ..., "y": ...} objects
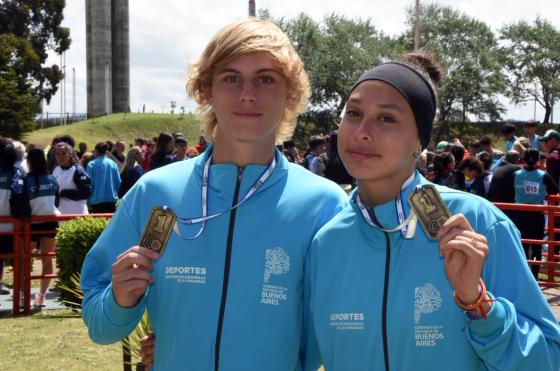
[
  {"x": 552, "y": 263},
  {"x": 23, "y": 254}
]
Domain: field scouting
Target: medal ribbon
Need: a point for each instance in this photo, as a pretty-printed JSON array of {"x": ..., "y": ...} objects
[
  {"x": 407, "y": 225},
  {"x": 204, "y": 197}
]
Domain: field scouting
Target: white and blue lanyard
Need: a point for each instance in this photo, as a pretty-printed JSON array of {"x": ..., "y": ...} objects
[
  {"x": 407, "y": 225},
  {"x": 205, "y": 217}
]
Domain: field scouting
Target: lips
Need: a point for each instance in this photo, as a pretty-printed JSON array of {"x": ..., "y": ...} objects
[
  {"x": 361, "y": 154},
  {"x": 247, "y": 114}
]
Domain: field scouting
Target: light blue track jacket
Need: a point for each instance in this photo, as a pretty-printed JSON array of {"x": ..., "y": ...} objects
[
  {"x": 260, "y": 325},
  {"x": 105, "y": 180},
  {"x": 352, "y": 261}
]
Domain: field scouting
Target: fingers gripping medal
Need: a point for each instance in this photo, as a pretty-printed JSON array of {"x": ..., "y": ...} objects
[
  {"x": 430, "y": 209},
  {"x": 158, "y": 229}
]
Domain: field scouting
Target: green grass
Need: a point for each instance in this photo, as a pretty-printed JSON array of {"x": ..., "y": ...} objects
[
  {"x": 120, "y": 126},
  {"x": 53, "y": 340}
]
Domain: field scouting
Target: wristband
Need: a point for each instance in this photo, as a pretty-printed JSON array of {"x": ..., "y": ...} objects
[{"x": 478, "y": 305}]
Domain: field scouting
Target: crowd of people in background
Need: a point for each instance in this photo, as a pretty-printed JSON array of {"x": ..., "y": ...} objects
[
  {"x": 526, "y": 171},
  {"x": 63, "y": 179}
]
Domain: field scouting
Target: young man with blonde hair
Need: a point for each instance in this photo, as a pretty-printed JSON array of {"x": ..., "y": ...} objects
[{"x": 227, "y": 294}]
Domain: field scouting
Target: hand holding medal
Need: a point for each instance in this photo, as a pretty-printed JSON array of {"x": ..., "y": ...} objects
[
  {"x": 464, "y": 251},
  {"x": 131, "y": 271}
]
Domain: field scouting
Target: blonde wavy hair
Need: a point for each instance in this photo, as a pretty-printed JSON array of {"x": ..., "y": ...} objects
[{"x": 241, "y": 38}]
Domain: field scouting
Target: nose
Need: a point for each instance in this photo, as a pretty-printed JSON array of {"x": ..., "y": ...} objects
[
  {"x": 247, "y": 92},
  {"x": 364, "y": 131}
]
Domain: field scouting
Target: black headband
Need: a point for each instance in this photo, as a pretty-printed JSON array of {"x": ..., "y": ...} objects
[{"x": 413, "y": 87}]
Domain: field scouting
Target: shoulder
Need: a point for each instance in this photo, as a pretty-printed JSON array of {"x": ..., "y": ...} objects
[
  {"x": 138, "y": 169},
  {"x": 304, "y": 181},
  {"x": 78, "y": 168},
  {"x": 52, "y": 179},
  {"x": 344, "y": 223}
]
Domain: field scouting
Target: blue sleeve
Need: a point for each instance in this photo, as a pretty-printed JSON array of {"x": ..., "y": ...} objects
[
  {"x": 106, "y": 320},
  {"x": 521, "y": 331}
]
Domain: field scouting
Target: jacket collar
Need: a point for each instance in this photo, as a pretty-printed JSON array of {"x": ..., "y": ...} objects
[
  {"x": 250, "y": 173},
  {"x": 386, "y": 213}
]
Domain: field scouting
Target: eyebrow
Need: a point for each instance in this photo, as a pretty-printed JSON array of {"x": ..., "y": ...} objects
[
  {"x": 262, "y": 70},
  {"x": 390, "y": 106}
]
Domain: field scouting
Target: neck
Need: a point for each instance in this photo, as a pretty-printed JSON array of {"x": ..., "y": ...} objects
[
  {"x": 377, "y": 192},
  {"x": 242, "y": 154}
]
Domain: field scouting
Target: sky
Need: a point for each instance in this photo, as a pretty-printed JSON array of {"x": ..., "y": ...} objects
[{"x": 167, "y": 35}]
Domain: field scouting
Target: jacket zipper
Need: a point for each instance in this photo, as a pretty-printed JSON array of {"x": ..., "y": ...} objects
[
  {"x": 385, "y": 293},
  {"x": 226, "y": 270}
]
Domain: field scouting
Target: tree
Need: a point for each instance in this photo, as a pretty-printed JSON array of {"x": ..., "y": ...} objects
[
  {"x": 468, "y": 49},
  {"x": 28, "y": 30},
  {"x": 532, "y": 57},
  {"x": 335, "y": 52}
]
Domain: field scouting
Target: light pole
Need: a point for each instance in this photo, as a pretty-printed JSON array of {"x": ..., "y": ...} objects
[
  {"x": 417, "y": 26},
  {"x": 64, "y": 90},
  {"x": 252, "y": 8},
  {"x": 73, "y": 91}
]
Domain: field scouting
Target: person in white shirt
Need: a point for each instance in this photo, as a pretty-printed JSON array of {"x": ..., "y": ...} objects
[
  {"x": 73, "y": 181},
  {"x": 41, "y": 190}
]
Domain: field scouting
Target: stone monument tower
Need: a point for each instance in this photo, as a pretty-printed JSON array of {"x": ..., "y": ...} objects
[
  {"x": 108, "y": 57},
  {"x": 251, "y": 8}
]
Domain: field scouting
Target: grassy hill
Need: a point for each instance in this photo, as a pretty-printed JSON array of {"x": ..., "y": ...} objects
[
  {"x": 129, "y": 126},
  {"x": 120, "y": 126}
]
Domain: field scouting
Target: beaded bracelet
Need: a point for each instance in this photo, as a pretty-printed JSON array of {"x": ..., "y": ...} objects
[{"x": 473, "y": 309}]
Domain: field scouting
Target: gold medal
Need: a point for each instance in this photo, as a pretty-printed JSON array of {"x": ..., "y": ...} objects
[
  {"x": 158, "y": 229},
  {"x": 430, "y": 209}
]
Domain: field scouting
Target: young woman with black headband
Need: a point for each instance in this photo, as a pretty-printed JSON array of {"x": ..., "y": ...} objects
[{"x": 382, "y": 294}]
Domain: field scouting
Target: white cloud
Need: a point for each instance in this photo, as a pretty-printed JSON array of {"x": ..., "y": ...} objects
[{"x": 167, "y": 35}]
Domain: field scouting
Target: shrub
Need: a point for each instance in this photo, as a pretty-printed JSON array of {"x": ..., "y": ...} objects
[{"x": 74, "y": 239}]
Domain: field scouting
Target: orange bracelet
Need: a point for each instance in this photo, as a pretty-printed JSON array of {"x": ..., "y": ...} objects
[{"x": 477, "y": 304}]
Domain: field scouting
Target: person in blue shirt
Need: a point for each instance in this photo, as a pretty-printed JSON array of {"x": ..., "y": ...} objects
[
  {"x": 508, "y": 132},
  {"x": 530, "y": 130},
  {"x": 105, "y": 181},
  {"x": 382, "y": 294},
  {"x": 227, "y": 293},
  {"x": 532, "y": 186}
]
